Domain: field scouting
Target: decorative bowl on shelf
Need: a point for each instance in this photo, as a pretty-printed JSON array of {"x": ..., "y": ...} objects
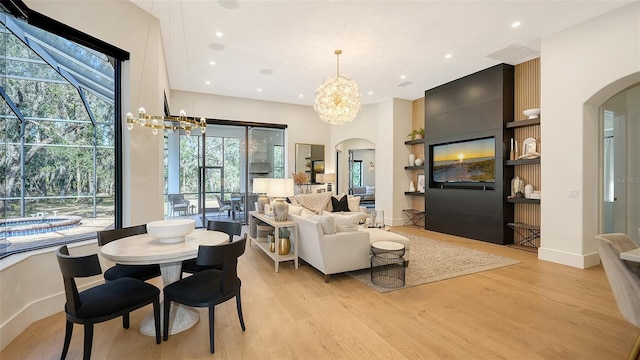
[
  {"x": 171, "y": 231},
  {"x": 532, "y": 113}
]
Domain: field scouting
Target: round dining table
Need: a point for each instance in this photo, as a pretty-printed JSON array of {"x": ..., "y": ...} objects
[{"x": 144, "y": 249}]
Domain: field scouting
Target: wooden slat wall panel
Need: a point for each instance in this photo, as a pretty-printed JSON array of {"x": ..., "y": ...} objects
[
  {"x": 527, "y": 96},
  {"x": 417, "y": 121}
]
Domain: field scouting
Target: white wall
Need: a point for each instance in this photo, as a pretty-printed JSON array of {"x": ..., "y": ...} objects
[{"x": 576, "y": 65}]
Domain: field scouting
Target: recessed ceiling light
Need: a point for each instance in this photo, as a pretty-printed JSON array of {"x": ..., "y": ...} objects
[
  {"x": 219, "y": 34},
  {"x": 259, "y": 90},
  {"x": 266, "y": 71},
  {"x": 448, "y": 56},
  {"x": 208, "y": 82},
  {"x": 370, "y": 92},
  {"x": 403, "y": 76},
  {"x": 212, "y": 63},
  {"x": 515, "y": 24},
  {"x": 300, "y": 96}
]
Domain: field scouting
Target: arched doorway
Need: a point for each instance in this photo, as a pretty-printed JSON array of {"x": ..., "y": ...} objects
[
  {"x": 359, "y": 149},
  {"x": 619, "y": 123}
]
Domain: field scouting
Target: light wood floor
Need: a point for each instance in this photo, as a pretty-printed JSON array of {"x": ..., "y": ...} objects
[{"x": 533, "y": 310}]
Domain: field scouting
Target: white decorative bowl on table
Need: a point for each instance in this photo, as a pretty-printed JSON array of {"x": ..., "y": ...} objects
[
  {"x": 532, "y": 113},
  {"x": 171, "y": 231}
]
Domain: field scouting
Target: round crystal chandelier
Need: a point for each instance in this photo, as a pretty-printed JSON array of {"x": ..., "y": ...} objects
[
  {"x": 171, "y": 123},
  {"x": 338, "y": 99}
]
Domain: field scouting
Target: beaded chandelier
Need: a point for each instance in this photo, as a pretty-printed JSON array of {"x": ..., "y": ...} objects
[{"x": 338, "y": 99}]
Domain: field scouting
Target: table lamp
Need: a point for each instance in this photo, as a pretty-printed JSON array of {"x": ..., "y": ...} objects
[
  {"x": 320, "y": 178},
  {"x": 328, "y": 179},
  {"x": 260, "y": 188},
  {"x": 279, "y": 189}
]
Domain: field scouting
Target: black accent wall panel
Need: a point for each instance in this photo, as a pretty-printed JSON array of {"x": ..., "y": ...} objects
[{"x": 475, "y": 106}]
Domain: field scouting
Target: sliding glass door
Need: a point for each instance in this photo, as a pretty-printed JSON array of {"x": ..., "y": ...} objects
[{"x": 215, "y": 171}]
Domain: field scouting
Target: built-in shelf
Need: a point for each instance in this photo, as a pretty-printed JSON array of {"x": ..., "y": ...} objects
[
  {"x": 414, "y": 167},
  {"x": 414, "y": 142},
  {"x": 414, "y": 193},
  {"x": 524, "y": 200},
  {"x": 522, "y": 162},
  {"x": 521, "y": 123}
]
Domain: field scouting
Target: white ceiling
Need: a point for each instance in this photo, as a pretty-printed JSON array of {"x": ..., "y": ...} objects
[{"x": 384, "y": 43}]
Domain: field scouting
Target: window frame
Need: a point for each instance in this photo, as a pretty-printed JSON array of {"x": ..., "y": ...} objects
[{"x": 20, "y": 10}]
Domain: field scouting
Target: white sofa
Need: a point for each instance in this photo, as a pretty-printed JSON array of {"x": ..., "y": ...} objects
[{"x": 340, "y": 251}]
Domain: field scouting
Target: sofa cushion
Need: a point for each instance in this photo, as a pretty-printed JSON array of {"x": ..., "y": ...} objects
[
  {"x": 370, "y": 190},
  {"x": 347, "y": 222},
  {"x": 295, "y": 210},
  {"x": 326, "y": 222},
  {"x": 341, "y": 204},
  {"x": 354, "y": 203}
]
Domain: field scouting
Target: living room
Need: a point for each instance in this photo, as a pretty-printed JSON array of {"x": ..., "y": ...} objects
[{"x": 569, "y": 98}]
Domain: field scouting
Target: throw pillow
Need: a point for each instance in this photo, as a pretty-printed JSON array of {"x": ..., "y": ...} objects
[
  {"x": 346, "y": 222},
  {"x": 326, "y": 222},
  {"x": 340, "y": 205},
  {"x": 295, "y": 210},
  {"x": 307, "y": 213},
  {"x": 354, "y": 203},
  {"x": 370, "y": 189}
]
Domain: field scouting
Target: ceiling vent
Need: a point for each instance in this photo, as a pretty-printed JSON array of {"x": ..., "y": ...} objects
[
  {"x": 514, "y": 54},
  {"x": 405, "y": 84}
]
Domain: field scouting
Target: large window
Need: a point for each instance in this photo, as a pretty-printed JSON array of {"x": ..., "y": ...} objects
[{"x": 59, "y": 178}]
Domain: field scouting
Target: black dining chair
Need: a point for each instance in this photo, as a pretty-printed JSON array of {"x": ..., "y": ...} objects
[
  {"x": 141, "y": 272},
  {"x": 228, "y": 227},
  {"x": 209, "y": 287},
  {"x": 103, "y": 302}
]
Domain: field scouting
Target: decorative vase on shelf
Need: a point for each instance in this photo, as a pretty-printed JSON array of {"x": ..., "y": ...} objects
[
  {"x": 412, "y": 160},
  {"x": 419, "y": 162},
  {"x": 272, "y": 243},
  {"x": 517, "y": 185},
  {"x": 528, "y": 190},
  {"x": 412, "y": 186},
  {"x": 284, "y": 246}
]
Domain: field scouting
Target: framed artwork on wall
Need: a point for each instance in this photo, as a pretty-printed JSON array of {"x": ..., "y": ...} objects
[{"x": 421, "y": 182}]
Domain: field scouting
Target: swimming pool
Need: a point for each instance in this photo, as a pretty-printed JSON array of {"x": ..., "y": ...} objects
[{"x": 36, "y": 225}]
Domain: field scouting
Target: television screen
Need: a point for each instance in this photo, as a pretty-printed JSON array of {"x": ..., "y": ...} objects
[{"x": 464, "y": 161}]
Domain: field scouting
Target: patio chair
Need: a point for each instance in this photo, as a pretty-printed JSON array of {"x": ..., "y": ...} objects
[
  {"x": 223, "y": 206},
  {"x": 177, "y": 203}
]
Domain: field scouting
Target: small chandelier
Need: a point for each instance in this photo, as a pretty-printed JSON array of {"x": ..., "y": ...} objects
[
  {"x": 171, "y": 123},
  {"x": 338, "y": 99}
]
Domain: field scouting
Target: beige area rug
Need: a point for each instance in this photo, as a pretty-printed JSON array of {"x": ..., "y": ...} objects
[{"x": 433, "y": 261}]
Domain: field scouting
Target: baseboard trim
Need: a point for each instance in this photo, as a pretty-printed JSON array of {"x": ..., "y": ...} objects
[{"x": 570, "y": 259}]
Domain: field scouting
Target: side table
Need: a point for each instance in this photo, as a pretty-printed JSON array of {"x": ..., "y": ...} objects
[
  {"x": 387, "y": 264},
  {"x": 415, "y": 216},
  {"x": 277, "y": 258}
]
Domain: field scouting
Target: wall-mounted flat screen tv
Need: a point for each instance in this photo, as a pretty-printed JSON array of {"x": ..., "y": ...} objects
[{"x": 464, "y": 162}]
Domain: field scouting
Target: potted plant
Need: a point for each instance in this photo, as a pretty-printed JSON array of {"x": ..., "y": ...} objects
[
  {"x": 284, "y": 245},
  {"x": 419, "y": 133}
]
